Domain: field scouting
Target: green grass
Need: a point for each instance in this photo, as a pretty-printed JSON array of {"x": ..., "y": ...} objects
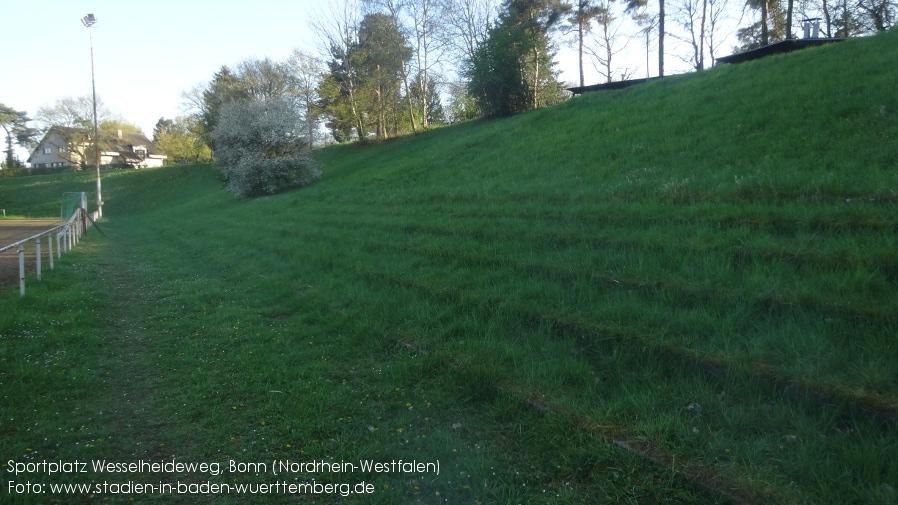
[{"x": 700, "y": 269}]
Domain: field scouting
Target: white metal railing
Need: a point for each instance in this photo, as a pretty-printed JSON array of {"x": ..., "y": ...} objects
[{"x": 67, "y": 236}]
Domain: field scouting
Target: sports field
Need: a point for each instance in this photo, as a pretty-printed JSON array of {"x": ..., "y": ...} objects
[{"x": 12, "y": 231}]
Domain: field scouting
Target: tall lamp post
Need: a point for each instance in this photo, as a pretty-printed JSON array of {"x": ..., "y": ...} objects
[{"x": 89, "y": 21}]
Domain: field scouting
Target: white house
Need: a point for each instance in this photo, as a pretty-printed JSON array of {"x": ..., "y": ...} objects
[
  {"x": 53, "y": 150},
  {"x": 134, "y": 150},
  {"x": 128, "y": 150}
]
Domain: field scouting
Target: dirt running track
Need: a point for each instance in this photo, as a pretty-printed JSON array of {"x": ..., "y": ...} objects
[{"x": 14, "y": 230}]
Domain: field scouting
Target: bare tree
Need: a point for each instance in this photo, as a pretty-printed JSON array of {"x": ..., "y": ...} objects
[
  {"x": 637, "y": 9},
  {"x": 584, "y": 12},
  {"x": 428, "y": 44},
  {"x": 264, "y": 79},
  {"x": 305, "y": 73},
  {"x": 337, "y": 29},
  {"x": 466, "y": 24},
  {"x": 718, "y": 12},
  {"x": 692, "y": 16},
  {"x": 844, "y": 18},
  {"x": 192, "y": 99},
  {"x": 608, "y": 41},
  {"x": 877, "y": 15},
  {"x": 649, "y": 24}
]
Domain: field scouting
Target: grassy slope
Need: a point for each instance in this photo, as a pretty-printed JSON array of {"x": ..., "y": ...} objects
[{"x": 674, "y": 266}]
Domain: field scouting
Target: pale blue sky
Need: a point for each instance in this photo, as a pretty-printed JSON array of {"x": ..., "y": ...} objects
[{"x": 146, "y": 54}]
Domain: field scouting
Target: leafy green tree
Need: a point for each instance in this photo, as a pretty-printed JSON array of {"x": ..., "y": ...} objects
[
  {"x": 511, "y": 71},
  {"x": 462, "y": 106},
  {"x": 181, "y": 141},
  {"x": 337, "y": 105},
  {"x": 224, "y": 88},
  {"x": 496, "y": 76},
  {"x": 381, "y": 55},
  {"x": 15, "y": 124},
  {"x": 362, "y": 90},
  {"x": 537, "y": 18},
  {"x": 343, "y": 98},
  {"x": 428, "y": 101},
  {"x": 162, "y": 127},
  {"x": 341, "y": 102}
]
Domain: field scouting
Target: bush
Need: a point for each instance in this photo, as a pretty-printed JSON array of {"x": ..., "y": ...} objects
[{"x": 260, "y": 148}]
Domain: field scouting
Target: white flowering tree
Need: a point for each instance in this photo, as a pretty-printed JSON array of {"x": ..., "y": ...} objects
[{"x": 261, "y": 149}]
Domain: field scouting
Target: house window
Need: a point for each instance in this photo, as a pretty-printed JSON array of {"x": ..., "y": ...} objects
[
  {"x": 62, "y": 149},
  {"x": 48, "y": 150}
]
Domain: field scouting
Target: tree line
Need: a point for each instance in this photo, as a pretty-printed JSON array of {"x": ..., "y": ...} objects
[{"x": 392, "y": 67}]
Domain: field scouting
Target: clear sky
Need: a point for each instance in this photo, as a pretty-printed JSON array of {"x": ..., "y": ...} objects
[{"x": 148, "y": 54}]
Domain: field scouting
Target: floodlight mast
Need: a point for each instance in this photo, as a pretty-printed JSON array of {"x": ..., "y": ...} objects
[{"x": 89, "y": 21}]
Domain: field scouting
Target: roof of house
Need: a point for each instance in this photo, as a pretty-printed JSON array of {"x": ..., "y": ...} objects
[
  {"x": 62, "y": 131},
  {"x": 610, "y": 85},
  {"x": 125, "y": 144},
  {"x": 785, "y": 46},
  {"x": 129, "y": 140}
]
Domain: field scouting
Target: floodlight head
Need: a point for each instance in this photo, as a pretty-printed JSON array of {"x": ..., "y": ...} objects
[{"x": 89, "y": 20}]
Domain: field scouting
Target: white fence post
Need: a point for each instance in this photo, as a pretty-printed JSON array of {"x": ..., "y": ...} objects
[
  {"x": 67, "y": 236},
  {"x": 37, "y": 247},
  {"x": 22, "y": 270}
]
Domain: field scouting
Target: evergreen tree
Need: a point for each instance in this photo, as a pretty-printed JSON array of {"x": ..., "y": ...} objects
[
  {"x": 770, "y": 28},
  {"x": 180, "y": 140},
  {"x": 15, "y": 124},
  {"x": 382, "y": 53},
  {"x": 224, "y": 88},
  {"x": 435, "y": 113},
  {"x": 512, "y": 70}
]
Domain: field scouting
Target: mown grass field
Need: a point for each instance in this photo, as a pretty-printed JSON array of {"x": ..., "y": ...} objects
[{"x": 683, "y": 292}]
